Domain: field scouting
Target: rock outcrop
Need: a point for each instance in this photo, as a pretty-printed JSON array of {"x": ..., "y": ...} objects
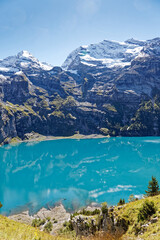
[
  {"x": 85, "y": 225},
  {"x": 108, "y": 88}
]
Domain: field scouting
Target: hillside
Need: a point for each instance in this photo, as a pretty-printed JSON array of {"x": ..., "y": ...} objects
[
  {"x": 110, "y": 88},
  {"x": 148, "y": 229},
  {"x": 11, "y": 230}
]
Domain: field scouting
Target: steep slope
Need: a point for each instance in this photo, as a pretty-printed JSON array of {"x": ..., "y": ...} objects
[
  {"x": 147, "y": 229},
  {"x": 105, "y": 54},
  {"x": 22, "y": 61},
  {"x": 11, "y": 230},
  {"x": 111, "y": 88}
]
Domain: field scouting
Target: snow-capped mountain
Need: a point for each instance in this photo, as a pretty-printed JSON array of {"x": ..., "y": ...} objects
[
  {"x": 110, "y": 87},
  {"x": 110, "y": 54},
  {"x": 22, "y": 61}
]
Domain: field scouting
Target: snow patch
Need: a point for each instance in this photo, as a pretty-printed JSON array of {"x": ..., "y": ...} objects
[
  {"x": 108, "y": 53},
  {"x": 4, "y": 69},
  {"x": 23, "y": 60},
  {"x": 73, "y": 71},
  {"x": 19, "y": 73}
]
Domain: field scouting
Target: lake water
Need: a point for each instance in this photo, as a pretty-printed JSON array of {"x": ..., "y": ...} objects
[{"x": 76, "y": 172}]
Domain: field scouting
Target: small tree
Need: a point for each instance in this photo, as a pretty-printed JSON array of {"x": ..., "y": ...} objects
[
  {"x": 121, "y": 202},
  {"x": 104, "y": 208},
  {"x": 153, "y": 187},
  {"x": 132, "y": 198}
]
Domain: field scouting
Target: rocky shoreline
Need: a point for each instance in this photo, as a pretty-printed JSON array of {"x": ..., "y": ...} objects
[
  {"x": 36, "y": 137},
  {"x": 57, "y": 216},
  {"x": 84, "y": 222}
]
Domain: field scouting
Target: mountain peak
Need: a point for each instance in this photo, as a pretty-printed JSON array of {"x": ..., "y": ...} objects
[
  {"x": 26, "y": 55},
  {"x": 23, "y": 61},
  {"x": 135, "y": 42},
  {"x": 105, "y": 54}
]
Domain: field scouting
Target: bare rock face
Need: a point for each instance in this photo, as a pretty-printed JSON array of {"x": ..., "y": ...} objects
[
  {"x": 56, "y": 216},
  {"x": 89, "y": 225},
  {"x": 109, "y": 88},
  {"x": 59, "y": 213},
  {"x": 23, "y": 217}
]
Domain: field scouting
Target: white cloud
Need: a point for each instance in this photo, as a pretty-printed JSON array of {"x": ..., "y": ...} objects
[
  {"x": 140, "y": 196},
  {"x": 135, "y": 171},
  {"x": 120, "y": 188},
  {"x": 98, "y": 192},
  {"x": 60, "y": 156},
  {"x": 89, "y": 7}
]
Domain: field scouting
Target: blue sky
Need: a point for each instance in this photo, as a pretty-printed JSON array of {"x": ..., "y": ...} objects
[{"x": 51, "y": 29}]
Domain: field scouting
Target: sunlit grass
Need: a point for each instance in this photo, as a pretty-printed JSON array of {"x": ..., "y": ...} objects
[
  {"x": 130, "y": 211},
  {"x": 11, "y": 230}
]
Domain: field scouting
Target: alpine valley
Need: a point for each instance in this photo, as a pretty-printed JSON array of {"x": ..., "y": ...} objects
[{"x": 110, "y": 88}]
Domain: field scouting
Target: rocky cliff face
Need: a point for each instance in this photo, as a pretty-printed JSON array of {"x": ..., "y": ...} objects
[{"x": 110, "y": 88}]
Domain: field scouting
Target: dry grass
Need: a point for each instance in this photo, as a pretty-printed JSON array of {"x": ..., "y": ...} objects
[
  {"x": 102, "y": 236},
  {"x": 11, "y": 230}
]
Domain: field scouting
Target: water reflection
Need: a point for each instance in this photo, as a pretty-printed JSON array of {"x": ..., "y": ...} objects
[{"x": 35, "y": 174}]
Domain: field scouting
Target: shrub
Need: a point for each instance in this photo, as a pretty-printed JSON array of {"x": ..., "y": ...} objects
[
  {"x": 123, "y": 222},
  {"x": 86, "y": 213},
  {"x": 121, "y": 202},
  {"x": 104, "y": 208},
  {"x": 90, "y": 213},
  {"x": 132, "y": 198},
  {"x": 137, "y": 228},
  {"x": 147, "y": 210},
  {"x": 68, "y": 225},
  {"x": 48, "y": 219},
  {"x": 38, "y": 222},
  {"x": 48, "y": 227}
]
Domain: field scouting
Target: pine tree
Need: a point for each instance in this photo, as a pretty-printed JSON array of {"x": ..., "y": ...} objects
[
  {"x": 153, "y": 187},
  {"x": 121, "y": 202}
]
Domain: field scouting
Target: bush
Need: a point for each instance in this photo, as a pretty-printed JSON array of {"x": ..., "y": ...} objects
[
  {"x": 48, "y": 227},
  {"x": 132, "y": 198},
  {"x": 86, "y": 213},
  {"x": 147, "y": 210},
  {"x": 38, "y": 222},
  {"x": 104, "y": 208},
  {"x": 68, "y": 225},
  {"x": 121, "y": 202},
  {"x": 137, "y": 228},
  {"x": 123, "y": 222}
]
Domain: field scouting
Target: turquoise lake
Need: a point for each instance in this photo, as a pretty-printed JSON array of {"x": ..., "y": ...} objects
[{"x": 76, "y": 172}]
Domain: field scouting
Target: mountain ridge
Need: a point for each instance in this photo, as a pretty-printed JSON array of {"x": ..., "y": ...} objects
[{"x": 110, "y": 88}]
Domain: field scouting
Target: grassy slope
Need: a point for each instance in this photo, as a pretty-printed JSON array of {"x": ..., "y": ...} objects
[
  {"x": 130, "y": 211},
  {"x": 11, "y": 230}
]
